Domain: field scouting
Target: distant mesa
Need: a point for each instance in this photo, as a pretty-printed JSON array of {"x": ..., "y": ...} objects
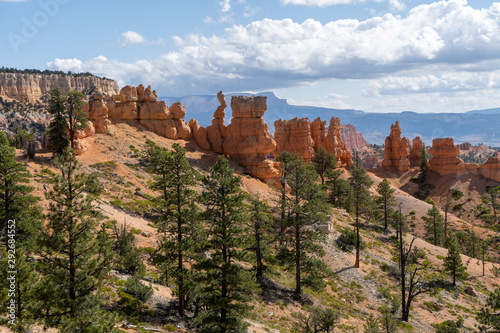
[{"x": 32, "y": 86}]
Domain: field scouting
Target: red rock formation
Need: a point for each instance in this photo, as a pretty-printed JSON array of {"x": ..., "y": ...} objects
[
  {"x": 294, "y": 135},
  {"x": 248, "y": 140},
  {"x": 397, "y": 150},
  {"x": 464, "y": 146},
  {"x": 304, "y": 137},
  {"x": 352, "y": 138},
  {"x": 199, "y": 134},
  {"x": 217, "y": 131},
  {"x": 142, "y": 105},
  {"x": 444, "y": 159},
  {"x": 318, "y": 132},
  {"x": 416, "y": 150},
  {"x": 491, "y": 169},
  {"x": 334, "y": 144}
]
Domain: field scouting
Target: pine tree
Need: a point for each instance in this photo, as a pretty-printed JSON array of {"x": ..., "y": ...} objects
[
  {"x": 386, "y": 198},
  {"x": 175, "y": 179},
  {"x": 323, "y": 161},
  {"x": 286, "y": 159},
  {"x": 372, "y": 325},
  {"x": 261, "y": 227},
  {"x": 226, "y": 285},
  {"x": 128, "y": 256},
  {"x": 360, "y": 182},
  {"x": 19, "y": 206},
  {"x": 434, "y": 225},
  {"x": 488, "y": 316},
  {"x": 58, "y": 128},
  {"x": 453, "y": 262},
  {"x": 301, "y": 250},
  {"x": 75, "y": 255},
  {"x": 76, "y": 118}
]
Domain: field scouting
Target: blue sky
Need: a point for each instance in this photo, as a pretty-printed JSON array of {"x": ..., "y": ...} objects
[{"x": 374, "y": 55}]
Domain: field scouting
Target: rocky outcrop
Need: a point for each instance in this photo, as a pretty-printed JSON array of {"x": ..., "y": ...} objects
[
  {"x": 397, "y": 150},
  {"x": 31, "y": 87},
  {"x": 416, "y": 150},
  {"x": 216, "y": 133},
  {"x": 334, "y": 144},
  {"x": 142, "y": 105},
  {"x": 248, "y": 140},
  {"x": 465, "y": 146},
  {"x": 444, "y": 159},
  {"x": 304, "y": 137},
  {"x": 491, "y": 169},
  {"x": 352, "y": 138},
  {"x": 294, "y": 135}
]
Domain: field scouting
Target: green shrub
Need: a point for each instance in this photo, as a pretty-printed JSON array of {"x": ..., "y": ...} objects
[
  {"x": 137, "y": 289},
  {"x": 457, "y": 195}
]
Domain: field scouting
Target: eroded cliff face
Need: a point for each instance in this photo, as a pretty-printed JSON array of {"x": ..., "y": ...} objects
[
  {"x": 31, "y": 87},
  {"x": 304, "y": 137},
  {"x": 352, "y": 138},
  {"x": 142, "y": 105},
  {"x": 444, "y": 156},
  {"x": 246, "y": 139}
]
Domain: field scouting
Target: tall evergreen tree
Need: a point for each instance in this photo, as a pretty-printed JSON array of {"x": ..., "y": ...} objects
[
  {"x": 301, "y": 251},
  {"x": 75, "y": 255},
  {"x": 386, "y": 198},
  {"x": 323, "y": 161},
  {"x": 75, "y": 115},
  {"x": 260, "y": 228},
  {"x": 360, "y": 182},
  {"x": 226, "y": 285},
  {"x": 19, "y": 206},
  {"x": 434, "y": 225},
  {"x": 453, "y": 262},
  {"x": 175, "y": 179},
  {"x": 284, "y": 210},
  {"x": 58, "y": 128}
]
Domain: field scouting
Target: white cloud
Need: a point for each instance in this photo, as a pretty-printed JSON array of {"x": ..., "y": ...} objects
[
  {"x": 131, "y": 38},
  {"x": 319, "y": 3},
  {"x": 337, "y": 96},
  {"x": 269, "y": 54},
  {"x": 225, "y": 5}
]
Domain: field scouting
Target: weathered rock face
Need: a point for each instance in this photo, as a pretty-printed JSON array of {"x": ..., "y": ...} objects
[
  {"x": 142, "y": 105},
  {"x": 465, "y": 146},
  {"x": 334, "y": 144},
  {"x": 352, "y": 138},
  {"x": 216, "y": 133},
  {"x": 491, "y": 169},
  {"x": 294, "y": 135},
  {"x": 416, "y": 150},
  {"x": 318, "y": 132},
  {"x": 444, "y": 159},
  {"x": 305, "y": 138},
  {"x": 397, "y": 150},
  {"x": 248, "y": 140},
  {"x": 32, "y": 87}
]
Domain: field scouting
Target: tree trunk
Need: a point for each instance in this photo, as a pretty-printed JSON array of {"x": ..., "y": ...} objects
[{"x": 356, "y": 264}]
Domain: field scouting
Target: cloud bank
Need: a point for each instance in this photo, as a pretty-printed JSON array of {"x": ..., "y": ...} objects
[{"x": 391, "y": 53}]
